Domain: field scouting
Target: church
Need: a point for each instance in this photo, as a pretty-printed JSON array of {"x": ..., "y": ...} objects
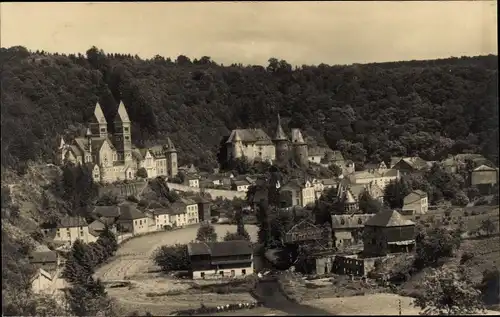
[
  {"x": 255, "y": 144},
  {"x": 113, "y": 157}
]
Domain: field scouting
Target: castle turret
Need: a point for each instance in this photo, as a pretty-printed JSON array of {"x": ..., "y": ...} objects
[
  {"x": 88, "y": 135},
  {"x": 280, "y": 143},
  {"x": 99, "y": 125},
  {"x": 122, "y": 136},
  {"x": 235, "y": 146},
  {"x": 171, "y": 154},
  {"x": 299, "y": 148}
]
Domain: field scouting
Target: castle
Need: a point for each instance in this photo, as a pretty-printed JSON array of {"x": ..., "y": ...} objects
[
  {"x": 255, "y": 144},
  {"x": 114, "y": 157}
]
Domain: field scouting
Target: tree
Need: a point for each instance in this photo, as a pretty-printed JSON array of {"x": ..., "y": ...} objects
[
  {"x": 263, "y": 222},
  {"x": 142, "y": 173},
  {"x": 490, "y": 286},
  {"x": 460, "y": 199},
  {"x": 172, "y": 258},
  {"x": 369, "y": 205},
  {"x": 108, "y": 199},
  {"x": 206, "y": 233},
  {"x": 240, "y": 226},
  {"x": 434, "y": 244},
  {"x": 488, "y": 226},
  {"x": 336, "y": 170},
  {"x": 448, "y": 292},
  {"x": 230, "y": 236},
  {"x": 89, "y": 299},
  {"x": 79, "y": 266},
  {"x": 395, "y": 192},
  {"x": 107, "y": 239}
]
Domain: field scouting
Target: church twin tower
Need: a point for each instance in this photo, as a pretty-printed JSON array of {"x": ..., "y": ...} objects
[{"x": 296, "y": 149}]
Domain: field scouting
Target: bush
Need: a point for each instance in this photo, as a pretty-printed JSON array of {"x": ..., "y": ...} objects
[
  {"x": 172, "y": 258},
  {"x": 466, "y": 256}
]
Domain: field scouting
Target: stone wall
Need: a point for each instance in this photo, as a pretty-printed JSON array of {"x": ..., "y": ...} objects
[{"x": 214, "y": 193}]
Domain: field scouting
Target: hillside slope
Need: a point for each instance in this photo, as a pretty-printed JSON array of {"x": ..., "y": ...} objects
[{"x": 370, "y": 112}]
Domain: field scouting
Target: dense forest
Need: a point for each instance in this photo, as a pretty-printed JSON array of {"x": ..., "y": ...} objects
[{"x": 370, "y": 112}]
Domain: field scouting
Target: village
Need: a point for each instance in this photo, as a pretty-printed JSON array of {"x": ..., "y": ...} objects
[{"x": 353, "y": 242}]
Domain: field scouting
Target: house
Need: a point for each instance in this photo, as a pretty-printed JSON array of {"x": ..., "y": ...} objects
[
  {"x": 376, "y": 167},
  {"x": 164, "y": 218},
  {"x": 188, "y": 169},
  {"x": 408, "y": 165},
  {"x": 204, "y": 206},
  {"x": 191, "y": 208},
  {"x": 106, "y": 214},
  {"x": 317, "y": 154},
  {"x": 320, "y": 185},
  {"x": 484, "y": 177},
  {"x": 192, "y": 180},
  {"x": 297, "y": 193},
  {"x": 97, "y": 226},
  {"x": 240, "y": 185},
  {"x": 221, "y": 259},
  {"x": 380, "y": 177},
  {"x": 48, "y": 282},
  {"x": 388, "y": 232},
  {"x": 113, "y": 158},
  {"x": 347, "y": 228},
  {"x": 306, "y": 230},
  {"x": 132, "y": 220},
  {"x": 69, "y": 229},
  {"x": 416, "y": 203}
]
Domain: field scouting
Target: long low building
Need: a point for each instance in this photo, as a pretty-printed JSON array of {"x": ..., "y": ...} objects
[{"x": 221, "y": 259}]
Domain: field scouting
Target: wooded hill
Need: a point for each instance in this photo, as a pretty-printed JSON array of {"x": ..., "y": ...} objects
[{"x": 370, "y": 112}]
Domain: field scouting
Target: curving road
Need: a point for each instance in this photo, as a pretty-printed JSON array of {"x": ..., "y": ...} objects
[{"x": 269, "y": 293}]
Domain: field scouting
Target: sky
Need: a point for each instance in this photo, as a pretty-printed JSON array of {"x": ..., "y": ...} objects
[{"x": 250, "y": 33}]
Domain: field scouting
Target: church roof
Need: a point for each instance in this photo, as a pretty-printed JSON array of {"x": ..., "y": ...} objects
[
  {"x": 122, "y": 115},
  {"x": 98, "y": 114}
]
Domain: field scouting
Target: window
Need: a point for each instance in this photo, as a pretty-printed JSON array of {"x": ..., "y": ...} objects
[
  {"x": 202, "y": 275},
  {"x": 103, "y": 129},
  {"x": 221, "y": 273},
  {"x": 140, "y": 222},
  {"x": 127, "y": 137},
  {"x": 81, "y": 233},
  {"x": 58, "y": 234},
  {"x": 69, "y": 235},
  {"x": 125, "y": 129},
  {"x": 233, "y": 273},
  {"x": 136, "y": 222},
  {"x": 359, "y": 221},
  {"x": 243, "y": 272}
]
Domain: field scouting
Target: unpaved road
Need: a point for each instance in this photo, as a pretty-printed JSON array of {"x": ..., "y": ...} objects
[{"x": 133, "y": 262}]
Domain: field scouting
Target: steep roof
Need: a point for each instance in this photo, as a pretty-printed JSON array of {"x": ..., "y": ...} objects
[
  {"x": 97, "y": 225},
  {"x": 129, "y": 212},
  {"x": 223, "y": 248},
  {"x": 99, "y": 114},
  {"x": 297, "y": 137},
  {"x": 334, "y": 156},
  {"x": 122, "y": 115},
  {"x": 170, "y": 146},
  {"x": 388, "y": 218},
  {"x": 280, "y": 134},
  {"x": 43, "y": 257},
  {"x": 484, "y": 168},
  {"x": 318, "y": 151},
  {"x": 177, "y": 208},
  {"x": 187, "y": 201},
  {"x": 257, "y": 136},
  {"x": 350, "y": 221},
  {"x": 70, "y": 222},
  {"x": 107, "y": 211},
  {"x": 416, "y": 162}
]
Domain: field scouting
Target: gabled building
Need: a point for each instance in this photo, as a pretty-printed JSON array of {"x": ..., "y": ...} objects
[
  {"x": 347, "y": 229},
  {"x": 192, "y": 180},
  {"x": 297, "y": 193},
  {"x": 115, "y": 155},
  {"x": 380, "y": 177},
  {"x": 408, "y": 165},
  {"x": 69, "y": 229},
  {"x": 204, "y": 206},
  {"x": 416, "y": 203},
  {"x": 388, "y": 232},
  {"x": 47, "y": 260},
  {"x": 240, "y": 185},
  {"x": 132, "y": 220},
  {"x": 228, "y": 259}
]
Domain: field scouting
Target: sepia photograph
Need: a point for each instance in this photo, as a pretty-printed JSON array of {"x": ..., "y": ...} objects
[{"x": 249, "y": 158}]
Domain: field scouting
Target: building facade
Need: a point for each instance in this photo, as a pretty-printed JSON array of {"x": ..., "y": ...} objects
[
  {"x": 416, "y": 203},
  {"x": 68, "y": 230},
  {"x": 297, "y": 193},
  {"x": 228, "y": 259},
  {"x": 114, "y": 157}
]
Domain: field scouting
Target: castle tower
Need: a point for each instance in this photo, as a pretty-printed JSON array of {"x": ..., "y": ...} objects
[
  {"x": 171, "y": 154},
  {"x": 236, "y": 147},
  {"x": 280, "y": 143},
  {"x": 122, "y": 136},
  {"x": 88, "y": 135},
  {"x": 299, "y": 148},
  {"x": 98, "y": 124}
]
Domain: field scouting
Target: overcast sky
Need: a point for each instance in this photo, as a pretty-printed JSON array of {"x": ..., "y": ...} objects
[{"x": 250, "y": 33}]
